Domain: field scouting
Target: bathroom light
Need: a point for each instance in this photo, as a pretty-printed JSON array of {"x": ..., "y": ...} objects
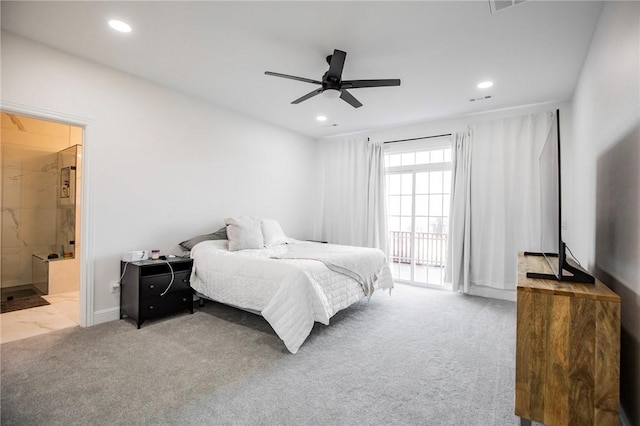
[
  {"x": 123, "y": 27},
  {"x": 485, "y": 84},
  {"x": 321, "y": 118}
]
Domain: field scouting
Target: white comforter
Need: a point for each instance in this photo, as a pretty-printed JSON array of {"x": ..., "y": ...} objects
[{"x": 291, "y": 294}]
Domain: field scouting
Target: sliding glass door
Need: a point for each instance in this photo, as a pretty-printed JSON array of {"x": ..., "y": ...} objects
[
  {"x": 418, "y": 197},
  {"x": 400, "y": 223}
]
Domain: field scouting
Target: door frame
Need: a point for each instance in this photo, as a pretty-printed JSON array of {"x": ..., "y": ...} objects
[{"x": 86, "y": 207}]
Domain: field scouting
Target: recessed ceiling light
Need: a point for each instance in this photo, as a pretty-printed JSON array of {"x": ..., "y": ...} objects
[
  {"x": 321, "y": 118},
  {"x": 485, "y": 84},
  {"x": 123, "y": 27}
]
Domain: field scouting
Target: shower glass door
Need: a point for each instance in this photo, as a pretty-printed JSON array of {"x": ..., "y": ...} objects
[{"x": 66, "y": 211}]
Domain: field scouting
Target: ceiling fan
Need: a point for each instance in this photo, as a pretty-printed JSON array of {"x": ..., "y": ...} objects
[{"x": 332, "y": 84}]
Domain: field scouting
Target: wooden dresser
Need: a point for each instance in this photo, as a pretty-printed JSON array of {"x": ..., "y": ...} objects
[{"x": 567, "y": 350}]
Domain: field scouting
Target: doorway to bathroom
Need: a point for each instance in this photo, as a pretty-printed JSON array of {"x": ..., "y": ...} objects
[{"x": 40, "y": 229}]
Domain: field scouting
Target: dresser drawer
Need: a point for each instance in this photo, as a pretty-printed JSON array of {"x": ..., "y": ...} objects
[
  {"x": 167, "y": 304},
  {"x": 154, "y": 285}
]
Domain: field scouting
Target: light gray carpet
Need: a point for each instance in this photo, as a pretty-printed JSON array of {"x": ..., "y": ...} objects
[{"x": 419, "y": 356}]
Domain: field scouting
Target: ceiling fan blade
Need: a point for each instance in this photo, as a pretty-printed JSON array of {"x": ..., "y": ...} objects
[
  {"x": 308, "y": 95},
  {"x": 336, "y": 65},
  {"x": 356, "y": 84},
  {"x": 293, "y": 77},
  {"x": 348, "y": 97}
]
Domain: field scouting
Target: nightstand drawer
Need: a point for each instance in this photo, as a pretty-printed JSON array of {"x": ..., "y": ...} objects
[
  {"x": 167, "y": 304},
  {"x": 155, "y": 285}
]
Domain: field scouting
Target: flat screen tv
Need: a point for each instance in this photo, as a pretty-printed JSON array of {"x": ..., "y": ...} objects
[{"x": 552, "y": 247}]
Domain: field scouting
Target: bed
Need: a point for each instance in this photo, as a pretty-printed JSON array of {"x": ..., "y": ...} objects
[{"x": 292, "y": 284}]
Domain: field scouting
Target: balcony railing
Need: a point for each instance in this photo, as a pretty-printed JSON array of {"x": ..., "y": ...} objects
[{"x": 430, "y": 248}]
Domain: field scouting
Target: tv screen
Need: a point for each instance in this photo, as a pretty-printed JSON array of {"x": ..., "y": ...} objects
[
  {"x": 552, "y": 247},
  {"x": 550, "y": 192}
]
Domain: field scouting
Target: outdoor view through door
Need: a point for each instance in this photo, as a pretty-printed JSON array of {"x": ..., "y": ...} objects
[{"x": 418, "y": 186}]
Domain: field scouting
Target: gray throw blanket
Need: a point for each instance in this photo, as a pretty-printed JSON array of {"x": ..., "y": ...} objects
[{"x": 360, "y": 263}]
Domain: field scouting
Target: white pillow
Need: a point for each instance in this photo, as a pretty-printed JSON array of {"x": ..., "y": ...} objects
[
  {"x": 244, "y": 232},
  {"x": 272, "y": 233}
]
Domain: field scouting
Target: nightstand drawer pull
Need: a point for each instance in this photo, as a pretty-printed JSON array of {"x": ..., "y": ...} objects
[
  {"x": 185, "y": 280},
  {"x": 150, "y": 306},
  {"x": 152, "y": 286}
]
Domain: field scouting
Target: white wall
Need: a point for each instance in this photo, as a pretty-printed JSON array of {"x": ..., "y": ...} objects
[
  {"x": 606, "y": 179},
  {"x": 163, "y": 166}
]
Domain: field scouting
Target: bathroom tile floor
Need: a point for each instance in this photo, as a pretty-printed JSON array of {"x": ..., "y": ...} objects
[{"x": 63, "y": 312}]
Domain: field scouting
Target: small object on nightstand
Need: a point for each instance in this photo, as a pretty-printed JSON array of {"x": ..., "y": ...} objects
[{"x": 147, "y": 290}]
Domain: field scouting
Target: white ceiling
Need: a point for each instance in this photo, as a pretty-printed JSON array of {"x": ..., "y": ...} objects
[{"x": 218, "y": 51}]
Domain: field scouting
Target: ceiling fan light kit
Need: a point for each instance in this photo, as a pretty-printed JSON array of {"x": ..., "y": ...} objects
[
  {"x": 332, "y": 84},
  {"x": 331, "y": 93}
]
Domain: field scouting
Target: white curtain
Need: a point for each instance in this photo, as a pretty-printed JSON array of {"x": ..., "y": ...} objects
[
  {"x": 376, "y": 226},
  {"x": 505, "y": 196},
  {"x": 353, "y": 205},
  {"x": 459, "y": 249}
]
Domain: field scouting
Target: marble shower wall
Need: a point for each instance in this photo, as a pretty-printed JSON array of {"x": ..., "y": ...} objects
[
  {"x": 30, "y": 181},
  {"x": 29, "y": 192}
]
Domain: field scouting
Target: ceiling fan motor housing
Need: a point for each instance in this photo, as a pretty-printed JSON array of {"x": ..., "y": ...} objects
[{"x": 330, "y": 82}]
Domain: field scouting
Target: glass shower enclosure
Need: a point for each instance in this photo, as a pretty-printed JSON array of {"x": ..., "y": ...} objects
[{"x": 39, "y": 213}]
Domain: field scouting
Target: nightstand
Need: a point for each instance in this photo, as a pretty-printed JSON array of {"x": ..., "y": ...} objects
[{"x": 145, "y": 281}]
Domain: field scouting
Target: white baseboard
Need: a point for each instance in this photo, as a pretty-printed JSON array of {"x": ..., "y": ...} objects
[
  {"x": 495, "y": 293},
  {"x": 106, "y": 315}
]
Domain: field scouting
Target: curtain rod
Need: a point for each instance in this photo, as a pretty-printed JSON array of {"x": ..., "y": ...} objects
[{"x": 415, "y": 139}]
